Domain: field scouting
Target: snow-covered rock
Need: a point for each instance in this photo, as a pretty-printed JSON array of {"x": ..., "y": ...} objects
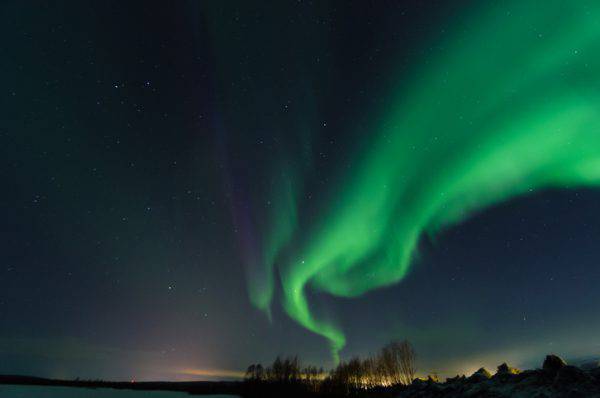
[
  {"x": 556, "y": 379},
  {"x": 481, "y": 375}
]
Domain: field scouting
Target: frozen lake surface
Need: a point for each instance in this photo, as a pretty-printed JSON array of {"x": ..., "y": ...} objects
[{"x": 71, "y": 392}]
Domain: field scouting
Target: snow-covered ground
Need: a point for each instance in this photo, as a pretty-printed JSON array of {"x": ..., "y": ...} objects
[{"x": 555, "y": 379}]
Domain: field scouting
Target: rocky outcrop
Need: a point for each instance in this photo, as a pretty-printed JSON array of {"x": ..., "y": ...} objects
[
  {"x": 555, "y": 379},
  {"x": 481, "y": 375},
  {"x": 553, "y": 363},
  {"x": 504, "y": 369},
  {"x": 433, "y": 379}
]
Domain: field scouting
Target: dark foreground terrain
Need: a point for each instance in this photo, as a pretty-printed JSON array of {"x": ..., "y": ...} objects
[{"x": 555, "y": 379}]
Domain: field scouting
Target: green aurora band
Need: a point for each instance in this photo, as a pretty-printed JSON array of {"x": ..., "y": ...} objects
[{"x": 506, "y": 105}]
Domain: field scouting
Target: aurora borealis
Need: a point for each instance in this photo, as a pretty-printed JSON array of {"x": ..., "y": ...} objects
[
  {"x": 505, "y": 107},
  {"x": 193, "y": 187}
]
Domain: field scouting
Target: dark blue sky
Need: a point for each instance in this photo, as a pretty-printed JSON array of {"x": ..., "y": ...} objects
[{"x": 125, "y": 128}]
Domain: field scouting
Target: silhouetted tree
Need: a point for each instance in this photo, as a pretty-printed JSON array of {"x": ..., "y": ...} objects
[
  {"x": 259, "y": 372},
  {"x": 394, "y": 364},
  {"x": 255, "y": 373},
  {"x": 250, "y": 372},
  {"x": 407, "y": 359},
  {"x": 397, "y": 363}
]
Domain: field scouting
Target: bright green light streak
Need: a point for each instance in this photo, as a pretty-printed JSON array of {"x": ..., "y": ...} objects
[{"x": 507, "y": 105}]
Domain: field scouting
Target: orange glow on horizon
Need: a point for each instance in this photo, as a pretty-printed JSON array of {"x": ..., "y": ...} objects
[{"x": 213, "y": 373}]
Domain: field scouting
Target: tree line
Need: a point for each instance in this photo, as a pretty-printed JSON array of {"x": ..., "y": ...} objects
[{"x": 393, "y": 366}]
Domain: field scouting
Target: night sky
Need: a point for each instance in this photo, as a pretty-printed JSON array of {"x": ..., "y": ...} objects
[{"x": 190, "y": 187}]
